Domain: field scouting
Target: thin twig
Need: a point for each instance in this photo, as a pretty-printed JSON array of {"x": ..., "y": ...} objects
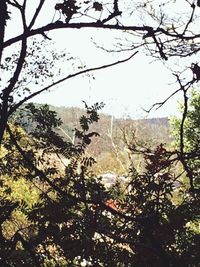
[{"x": 12, "y": 109}]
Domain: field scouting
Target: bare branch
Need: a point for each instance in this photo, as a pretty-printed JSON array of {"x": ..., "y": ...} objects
[
  {"x": 160, "y": 104},
  {"x": 61, "y": 25},
  {"x": 191, "y": 18},
  {"x": 7, "y": 91},
  {"x": 160, "y": 47},
  {"x": 36, "y": 14},
  {"x": 114, "y": 14},
  {"x": 181, "y": 132},
  {"x": 115, "y": 149},
  {"x": 15, "y": 4},
  {"x": 12, "y": 109}
]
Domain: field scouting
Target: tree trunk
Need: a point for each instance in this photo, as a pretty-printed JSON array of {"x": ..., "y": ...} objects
[{"x": 3, "y": 17}]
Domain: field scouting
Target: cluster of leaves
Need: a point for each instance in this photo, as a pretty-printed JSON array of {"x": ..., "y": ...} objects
[
  {"x": 152, "y": 222},
  {"x": 59, "y": 220},
  {"x": 70, "y": 8},
  {"x": 17, "y": 191},
  {"x": 74, "y": 219}
]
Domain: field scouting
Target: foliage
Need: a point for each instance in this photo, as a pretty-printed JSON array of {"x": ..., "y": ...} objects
[
  {"x": 191, "y": 135},
  {"x": 78, "y": 220},
  {"x": 43, "y": 224},
  {"x": 18, "y": 193},
  {"x": 66, "y": 217}
]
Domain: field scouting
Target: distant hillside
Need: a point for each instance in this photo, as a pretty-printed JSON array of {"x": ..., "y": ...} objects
[
  {"x": 71, "y": 115},
  {"x": 157, "y": 121},
  {"x": 110, "y": 148}
]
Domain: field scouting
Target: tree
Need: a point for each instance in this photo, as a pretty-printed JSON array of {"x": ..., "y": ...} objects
[
  {"x": 59, "y": 189},
  {"x": 160, "y": 38},
  {"x": 77, "y": 219},
  {"x": 187, "y": 138}
]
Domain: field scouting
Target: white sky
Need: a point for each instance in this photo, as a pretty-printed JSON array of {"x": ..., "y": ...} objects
[{"x": 125, "y": 89}]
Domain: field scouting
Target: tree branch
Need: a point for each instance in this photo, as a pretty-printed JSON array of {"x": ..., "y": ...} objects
[
  {"x": 3, "y": 18},
  {"x": 36, "y": 14},
  {"x": 61, "y": 25},
  {"x": 182, "y": 144},
  {"x": 6, "y": 93},
  {"x": 191, "y": 18},
  {"x": 37, "y": 171},
  {"x": 13, "y": 109}
]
